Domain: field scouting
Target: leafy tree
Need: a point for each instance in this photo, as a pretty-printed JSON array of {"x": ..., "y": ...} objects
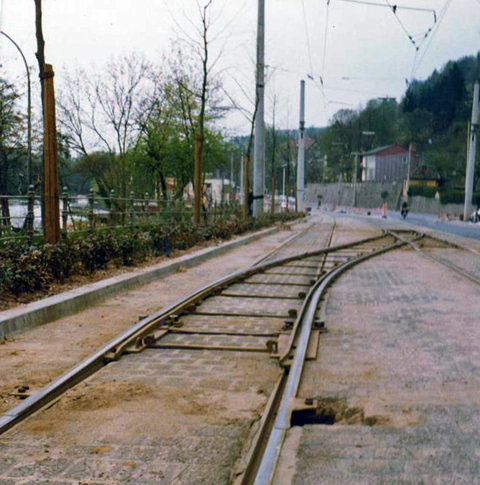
[
  {"x": 433, "y": 115},
  {"x": 11, "y": 143},
  {"x": 443, "y": 95}
]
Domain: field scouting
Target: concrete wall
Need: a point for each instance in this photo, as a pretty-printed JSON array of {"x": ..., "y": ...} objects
[
  {"x": 368, "y": 194},
  {"x": 369, "y": 197},
  {"x": 426, "y": 205}
]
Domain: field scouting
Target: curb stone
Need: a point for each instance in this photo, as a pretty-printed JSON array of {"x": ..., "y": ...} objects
[{"x": 73, "y": 301}]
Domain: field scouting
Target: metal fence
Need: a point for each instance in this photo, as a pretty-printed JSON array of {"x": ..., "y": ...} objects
[{"x": 21, "y": 216}]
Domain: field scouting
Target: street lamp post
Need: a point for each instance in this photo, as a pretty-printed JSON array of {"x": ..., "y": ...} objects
[{"x": 29, "y": 112}]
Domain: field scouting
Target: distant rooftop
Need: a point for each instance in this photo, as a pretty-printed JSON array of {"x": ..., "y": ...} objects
[{"x": 379, "y": 149}]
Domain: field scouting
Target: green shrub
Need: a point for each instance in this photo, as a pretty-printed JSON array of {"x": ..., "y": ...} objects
[
  {"x": 422, "y": 191},
  {"x": 27, "y": 268},
  {"x": 457, "y": 197}
]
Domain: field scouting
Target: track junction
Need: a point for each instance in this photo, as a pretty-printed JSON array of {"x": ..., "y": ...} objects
[{"x": 240, "y": 381}]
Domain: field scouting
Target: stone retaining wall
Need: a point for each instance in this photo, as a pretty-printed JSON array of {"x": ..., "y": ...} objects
[{"x": 369, "y": 197}]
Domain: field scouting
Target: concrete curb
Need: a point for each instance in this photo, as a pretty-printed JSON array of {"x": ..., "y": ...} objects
[{"x": 70, "y": 302}]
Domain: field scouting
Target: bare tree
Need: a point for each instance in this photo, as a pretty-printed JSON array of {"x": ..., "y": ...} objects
[
  {"x": 40, "y": 54},
  {"x": 101, "y": 111},
  {"x": 200, "y": 44},
  {"x": 72, "y": 114}
]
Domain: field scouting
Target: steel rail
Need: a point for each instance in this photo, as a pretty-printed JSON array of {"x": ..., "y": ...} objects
[
  {"x": 132, "y": 336},
  {"x": 269, "y": 460},
  {"x": 447, "y": 264},
  {"x": 293, "y": 336},
  {"x": 285, "y": 243},
  {"x": 250, "y": 462}
]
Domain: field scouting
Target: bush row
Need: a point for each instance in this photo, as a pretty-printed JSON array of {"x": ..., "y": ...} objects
[
  {"x": 422, "y": 191},
  {"x": 27, "y": 268},
  {"x": 458, "y": 197}
]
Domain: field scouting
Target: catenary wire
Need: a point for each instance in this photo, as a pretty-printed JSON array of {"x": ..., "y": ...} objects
[
  {"x": 307, "y": 36},
  {"x": 431, "y": 10},
  {"x": 440, "y": 20}
]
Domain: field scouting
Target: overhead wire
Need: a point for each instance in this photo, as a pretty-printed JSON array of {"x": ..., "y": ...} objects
[
  {"x": 311, "y": 74},
  {"x": 440, "y": 20},
  {"x": 388, "y": 6},
  {"x": 341, "y": 78},
  {"x": 322, "y": 75},
  {"x": 325, "y": 39},
  {"x": 373, "y": 93},
  {"x": 402, "y": 25},
  {"x": 417, "y": 40},
  {"x": 423, "y": 37},
  {"x": 307, "y": 36}
]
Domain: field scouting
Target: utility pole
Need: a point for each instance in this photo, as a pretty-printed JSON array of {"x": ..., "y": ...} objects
[
  {"x": 289, "y": 156},
  {"x": 232, "y": 197},
  {"x": 259, "y": 153},
  {"x": 197, "y": 180},
  {"x": 471, "y": 156},
  {"x": 355, "y": 180},
  {"x": 246, "y": 184},
  {"x": 409, "y": 163},
  {"x": 301, "y": 151},
  {"x": 242, "y": 163}
]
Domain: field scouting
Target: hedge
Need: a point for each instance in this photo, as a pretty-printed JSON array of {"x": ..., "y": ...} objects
[
  {"x": 422, "y": 191},
  {"x": 26, "y": 268},
  {"x": 457, "y": 197}
]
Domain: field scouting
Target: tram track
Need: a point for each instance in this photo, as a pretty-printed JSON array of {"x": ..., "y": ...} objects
[
  {"x": 272, "y": 308},
  {"x": 128, "y": 341},
  {"x": 151, "y": 329},
  {"x": 261, "y": 466},
  {"x": 444, "y": 243}
]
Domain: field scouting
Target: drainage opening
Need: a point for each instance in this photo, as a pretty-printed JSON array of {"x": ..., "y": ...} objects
[
  {"x": 310, "y": 416},
  {"x": 329, "y": 411}
]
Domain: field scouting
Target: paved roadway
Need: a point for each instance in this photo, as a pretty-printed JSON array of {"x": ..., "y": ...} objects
[
  {"x": 465, "y": 229},
  {"x": 430, "y": 221}
]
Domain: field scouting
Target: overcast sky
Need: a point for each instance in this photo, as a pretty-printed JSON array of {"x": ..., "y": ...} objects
[{"x": 358, "y": 51}]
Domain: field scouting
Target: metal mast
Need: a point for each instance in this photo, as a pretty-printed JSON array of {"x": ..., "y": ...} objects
[
  {"x": 471, "y": 156},
  {"x": 301, "y": 150},
  {"x": 259, "y": 150}
]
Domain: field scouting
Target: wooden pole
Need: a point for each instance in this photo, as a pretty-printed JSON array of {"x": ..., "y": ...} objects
[
  {"x": 197, "y": 180},
  {"x": 51, "y": 220}
]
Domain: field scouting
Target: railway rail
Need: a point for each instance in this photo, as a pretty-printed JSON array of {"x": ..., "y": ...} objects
[{"x": 274, "y": 307}]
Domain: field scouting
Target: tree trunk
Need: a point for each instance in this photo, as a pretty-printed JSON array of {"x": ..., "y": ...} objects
[
  {"x": 163, "y": 185},
  {"x": 40, "y": 54}
]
